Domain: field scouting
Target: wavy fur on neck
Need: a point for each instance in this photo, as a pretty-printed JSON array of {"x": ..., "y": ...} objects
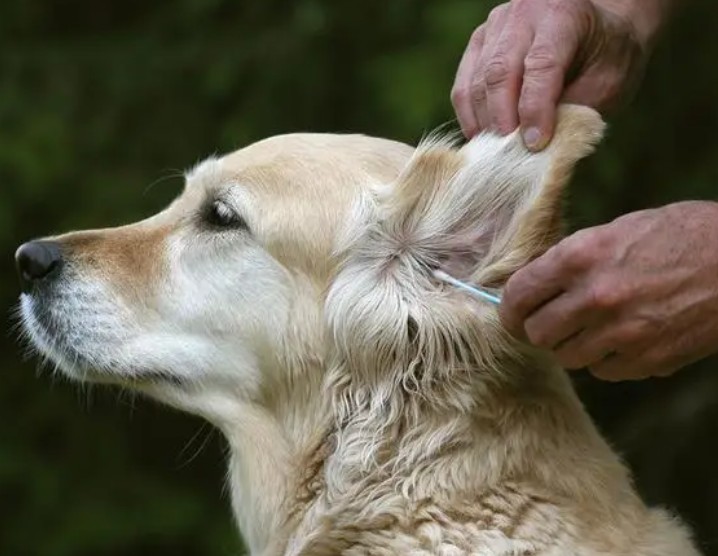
[{"x": 449, "y": 436}]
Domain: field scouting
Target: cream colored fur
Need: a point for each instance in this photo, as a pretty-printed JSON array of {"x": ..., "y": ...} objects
[{"x": 370, "y": 410}]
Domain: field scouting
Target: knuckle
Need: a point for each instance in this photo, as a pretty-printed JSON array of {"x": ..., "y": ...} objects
[
  {"x": 536, "y": 333},
  {"x": 496, "y": 13},
  {"x": 583, "y": 237},
  {"x": 583, "y": 248},
  {"x": 459, "y": 96},
  {"x": 599, "y": 239},
  {"x": 567, "y": 8},
  {"x": 633, "y": 334},
  {"x": 557, "y": 5},
  {"x": 498, "y": 71},
  {"x": 603, "y": 295},
  {"x": 478, "y": 92},
  {"x": 477, "y": 36},
  {"x": 575, "y": 252},
  {"x": 541, "y": 60}
]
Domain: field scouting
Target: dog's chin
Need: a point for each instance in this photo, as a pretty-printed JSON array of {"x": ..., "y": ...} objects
[
  {"x": 80, "y": 370},
  {"x": 138, "y": 379},
  {"x": 72, "y": 362}
]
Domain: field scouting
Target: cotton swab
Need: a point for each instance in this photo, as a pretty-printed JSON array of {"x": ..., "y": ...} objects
[{"x": 476, "y": 292}]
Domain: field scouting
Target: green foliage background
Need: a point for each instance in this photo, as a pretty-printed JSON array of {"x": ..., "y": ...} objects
[{"x": 101, "y": 100}]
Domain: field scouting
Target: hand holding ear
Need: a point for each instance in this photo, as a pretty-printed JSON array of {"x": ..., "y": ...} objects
[
  {"x": 631, "y": 299},
  {"x": 531, "y": 54}
]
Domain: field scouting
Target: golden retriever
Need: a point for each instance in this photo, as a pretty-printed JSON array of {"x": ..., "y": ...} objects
[{"x": 287, "y": 296}]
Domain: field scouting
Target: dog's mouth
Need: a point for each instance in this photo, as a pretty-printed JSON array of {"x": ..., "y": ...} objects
[
  {"x": 139, "y": 379},
  {"x": 42, "y": 333},
  {"x": 45, "y": 333}
]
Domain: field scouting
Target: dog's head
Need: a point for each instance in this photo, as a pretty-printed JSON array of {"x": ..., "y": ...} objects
[{"x": 295, "y": 250}]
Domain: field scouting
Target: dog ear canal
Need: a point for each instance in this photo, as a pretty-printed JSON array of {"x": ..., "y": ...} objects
[{"x": 481, "y": 212}]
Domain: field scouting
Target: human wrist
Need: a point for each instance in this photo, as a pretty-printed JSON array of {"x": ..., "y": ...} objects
[{"x": 645, "y": 17}]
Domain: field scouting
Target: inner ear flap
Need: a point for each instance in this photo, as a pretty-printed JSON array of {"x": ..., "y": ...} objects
[
  {"x": 483, "y": 211},
  {"x": 538, "y": 224}
]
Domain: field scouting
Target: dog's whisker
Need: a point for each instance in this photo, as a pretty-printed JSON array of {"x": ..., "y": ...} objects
[
  {"x": 202, "y": 445},
  {"x": 174, "y": 174}
]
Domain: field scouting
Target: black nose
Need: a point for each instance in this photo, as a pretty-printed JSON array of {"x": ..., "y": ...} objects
[{"x": 36, "y": 260}]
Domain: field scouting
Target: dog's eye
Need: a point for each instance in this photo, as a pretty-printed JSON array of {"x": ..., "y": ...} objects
[{"x": 220, "y": 215}]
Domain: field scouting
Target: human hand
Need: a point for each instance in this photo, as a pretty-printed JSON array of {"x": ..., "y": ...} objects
[
  {"x": 531, "y": 54},
  {"x": 631, "y": 299}
]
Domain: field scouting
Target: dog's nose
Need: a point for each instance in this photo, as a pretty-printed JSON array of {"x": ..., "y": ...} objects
[{"x": 36, "y": 260}]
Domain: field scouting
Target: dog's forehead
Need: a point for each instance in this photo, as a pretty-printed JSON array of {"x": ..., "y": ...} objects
[
  {"x": 303, "y": 171},
  {"x": 297, "y": 191},
  {"x": 371, "y": 153}
]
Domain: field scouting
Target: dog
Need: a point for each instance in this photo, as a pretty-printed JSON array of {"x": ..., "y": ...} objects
[{"x": 287, "y": 296}]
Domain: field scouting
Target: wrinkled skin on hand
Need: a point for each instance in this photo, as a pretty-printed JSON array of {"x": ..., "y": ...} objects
[
  {"x": 631, "y": 299},
  {"x": 531, "y": 54}
]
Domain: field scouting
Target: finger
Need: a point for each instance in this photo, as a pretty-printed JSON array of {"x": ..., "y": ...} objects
[
  {"x": 590, "y": 346},
  {"x": 619, "y": 367},
  {"x": 549, "y": 58},
  {"x": 654, "y": 361},
  {"x": 461, "y": 91},
  {"x": 559, "y": 319},
  {"x": 659, "y": 357},
  {"x": 528, "y": 289},
  {"x": 494, "y": 26},
  {"x": 504, "y": 74}
]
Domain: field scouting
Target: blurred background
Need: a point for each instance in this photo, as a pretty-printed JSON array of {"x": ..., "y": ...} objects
[{"x": 102, "y": 104}]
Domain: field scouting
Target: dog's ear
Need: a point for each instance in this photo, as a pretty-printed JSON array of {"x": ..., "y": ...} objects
[
  {"x": 482, "y": 212},
  {"x": 479, "y": 213}
]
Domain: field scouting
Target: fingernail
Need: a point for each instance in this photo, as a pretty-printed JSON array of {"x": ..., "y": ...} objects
[{"x": 532, "y": 138}]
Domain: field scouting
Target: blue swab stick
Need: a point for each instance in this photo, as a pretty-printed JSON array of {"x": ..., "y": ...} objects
[{"x": 476, "y": 292}]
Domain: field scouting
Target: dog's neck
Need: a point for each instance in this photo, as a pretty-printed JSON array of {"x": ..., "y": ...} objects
[{"x": 301, "y": 472}]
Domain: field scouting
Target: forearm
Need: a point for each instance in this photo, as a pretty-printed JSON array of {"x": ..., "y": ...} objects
[{"x": 647, "y": 17}]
